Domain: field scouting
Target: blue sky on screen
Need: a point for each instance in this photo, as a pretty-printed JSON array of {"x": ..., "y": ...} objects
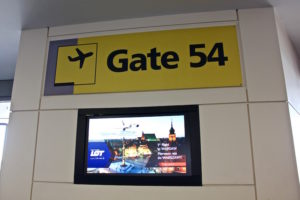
[{"x": 112, "y": 128}]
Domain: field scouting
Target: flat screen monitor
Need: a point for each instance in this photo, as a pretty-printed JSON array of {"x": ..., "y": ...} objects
[{"x": 138, "y": 146}]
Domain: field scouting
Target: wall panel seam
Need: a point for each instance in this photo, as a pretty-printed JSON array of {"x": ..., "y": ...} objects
[
  {"x": 38, "y": 119},
  {"x": 204, "y": 104},
  {"x": 204, "y": 185},
  {"x": 34, "y": 156},
  {"x": 44, "y": 69},
  {"x": 252, "y": 151},
  {"x": 241, "y": 51},
  {"x": 144, "y": 27}
]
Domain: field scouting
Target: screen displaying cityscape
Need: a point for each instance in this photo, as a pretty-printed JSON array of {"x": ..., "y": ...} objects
[{"x": 138, "y": 145}]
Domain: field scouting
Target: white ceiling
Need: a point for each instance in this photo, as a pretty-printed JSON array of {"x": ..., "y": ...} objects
[{"x": 16, "y": 15}]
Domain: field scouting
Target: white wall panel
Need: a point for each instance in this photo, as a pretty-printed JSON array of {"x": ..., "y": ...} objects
[
  {"x": 48, "y": 191},
  {"x": 140, "y": 29},
  {"x": 263, "y": 67},
  {"x": 225, "y": 144},
  {"x": 131, "y": 99},
  {"x": 291, "y": 66},
  {"x": 295, "y": 123},
  {"x": 191, "y": 18},
  {"x": 274, "y": 159},
  {"x": 17, "y": 168},
  {"x": 55, "y": 156},
  {"x": 29, "y": 70}
]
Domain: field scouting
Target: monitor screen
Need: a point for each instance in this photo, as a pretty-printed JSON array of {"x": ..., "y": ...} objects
[{"x": 138, "y": 145}]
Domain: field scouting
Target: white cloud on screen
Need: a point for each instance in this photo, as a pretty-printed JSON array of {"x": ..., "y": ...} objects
[{"x": 112, "y": 128}]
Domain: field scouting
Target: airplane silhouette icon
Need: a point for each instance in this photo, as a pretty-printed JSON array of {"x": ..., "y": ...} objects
[{"x": 81, "y": 57}]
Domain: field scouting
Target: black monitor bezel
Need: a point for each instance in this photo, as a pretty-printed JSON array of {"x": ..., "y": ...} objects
[{"x": 192, "y": 128}]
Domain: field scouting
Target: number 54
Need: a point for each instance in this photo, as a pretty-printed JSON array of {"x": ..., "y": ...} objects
[{"x": 195, "y": 51}]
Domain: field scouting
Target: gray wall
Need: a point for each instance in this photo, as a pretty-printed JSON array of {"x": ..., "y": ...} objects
[{"x": 5, "y": 89}]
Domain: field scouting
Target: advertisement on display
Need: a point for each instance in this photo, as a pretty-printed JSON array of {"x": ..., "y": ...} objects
[{"x": 143, "y": 145}]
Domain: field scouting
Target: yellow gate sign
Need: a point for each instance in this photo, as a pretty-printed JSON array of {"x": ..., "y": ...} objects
[{"x": 161, "y": 60}]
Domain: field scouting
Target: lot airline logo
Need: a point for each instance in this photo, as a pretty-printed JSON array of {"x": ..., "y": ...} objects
[
  {"x": 98, "y": 155},
  {"x": 161, "y": 60}
]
